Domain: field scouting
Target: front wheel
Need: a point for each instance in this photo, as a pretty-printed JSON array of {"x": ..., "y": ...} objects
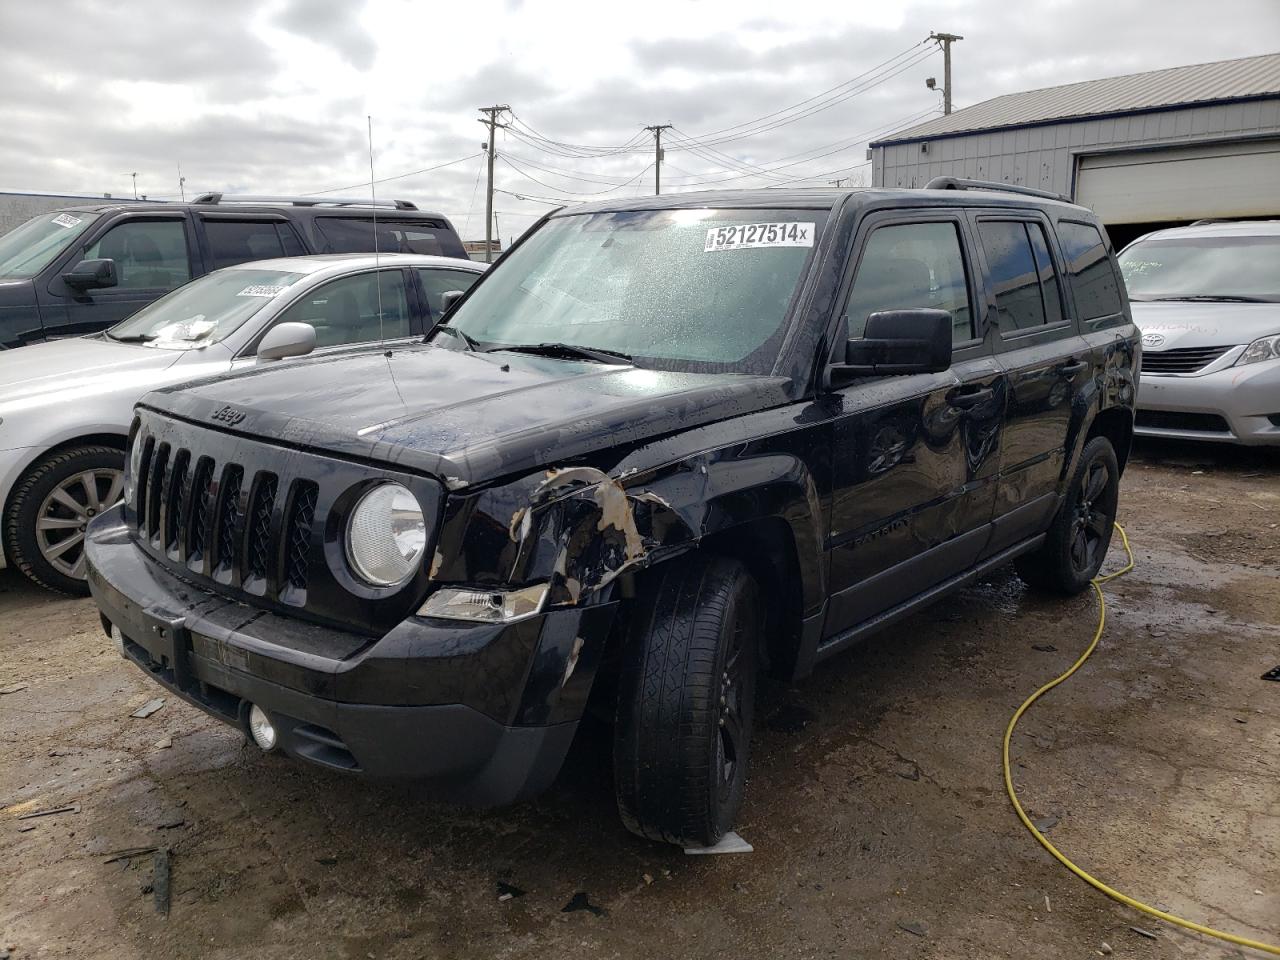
[
  {"x": 686, "y": 701},
  {"x": 44, "y": 528},
  {"x": 1080, "y": 535}
]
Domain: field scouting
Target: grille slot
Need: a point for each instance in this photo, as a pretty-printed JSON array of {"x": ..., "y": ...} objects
[
  {"x": 297, "y": 536},
  {"x": 155, "y": 491},
  {"x": 1182, "y": 360},
  {"x": 175, "y": 501},
  {"x": 201, "y": 518},
  {"x": 141, "y": 481},
  {"x": 257, "y": 534},
  {"x": 228, "y": 519}
]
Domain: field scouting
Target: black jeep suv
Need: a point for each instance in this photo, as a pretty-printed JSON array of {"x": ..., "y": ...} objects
[
  {"x": 665, "y": 446},
  {"x": 83, "y": 269}
]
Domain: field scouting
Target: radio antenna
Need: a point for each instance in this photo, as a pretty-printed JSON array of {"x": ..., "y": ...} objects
[{"x": 377, "y": 262}]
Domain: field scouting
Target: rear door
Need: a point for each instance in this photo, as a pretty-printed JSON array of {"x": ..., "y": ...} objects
[
  {"x": 1047, "y": 363},
  {"x": 153, "y": 254},
  {"x": 914, "y": 456}
]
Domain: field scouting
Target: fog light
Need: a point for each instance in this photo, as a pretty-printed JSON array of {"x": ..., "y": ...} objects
[
  {"x": 261, "y": 728},
  {"x": 118, "y": 637}
]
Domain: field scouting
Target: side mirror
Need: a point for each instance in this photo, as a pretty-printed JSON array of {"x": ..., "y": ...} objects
[
  {"x": 90, "y": 274},
  {"x": 900, "y": 342},
  {"x": 448, "y": 299},
  {"x": 291, "y": 339}
]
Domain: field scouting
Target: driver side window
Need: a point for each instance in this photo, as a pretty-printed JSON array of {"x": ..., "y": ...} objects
[
  {"x": 912, "y": 265},
  {"x": 346, "y": 310},
  {"x": 149, "y": 254}
]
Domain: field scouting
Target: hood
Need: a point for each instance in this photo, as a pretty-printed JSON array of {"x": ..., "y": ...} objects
[
  {"x": 81, "y": 365},
  {"x": 465, "y": 417},
  {"x": 1195, "y": 324}
]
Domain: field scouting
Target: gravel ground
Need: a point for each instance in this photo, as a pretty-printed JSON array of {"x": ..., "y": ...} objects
[{"x": 875, "y": 806}]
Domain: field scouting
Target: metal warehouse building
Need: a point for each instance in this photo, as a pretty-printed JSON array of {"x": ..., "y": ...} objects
[{"x": 1144, "y": 151}]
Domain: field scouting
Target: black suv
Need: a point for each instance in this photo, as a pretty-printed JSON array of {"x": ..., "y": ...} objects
[
  {"x": 665, "y": 446},
  {"x": 83, "y": 269}
]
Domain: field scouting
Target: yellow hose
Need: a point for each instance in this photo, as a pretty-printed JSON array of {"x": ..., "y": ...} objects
[{"x": 1044, "y": 841}]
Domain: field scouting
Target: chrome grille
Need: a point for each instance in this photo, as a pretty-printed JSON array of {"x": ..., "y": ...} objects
[{"x": 1181, "y": 360}]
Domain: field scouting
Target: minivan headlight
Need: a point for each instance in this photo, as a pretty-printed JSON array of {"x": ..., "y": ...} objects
[
  {"x": 1264, "y": 348},
  {"x": 386, "y": 535}
]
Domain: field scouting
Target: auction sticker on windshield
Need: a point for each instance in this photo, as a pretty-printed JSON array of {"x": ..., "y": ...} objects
[
  {"x": 263, "y": 290},
  {"x": 66, "y": 220},
  {"x": 746, "y": 236}
]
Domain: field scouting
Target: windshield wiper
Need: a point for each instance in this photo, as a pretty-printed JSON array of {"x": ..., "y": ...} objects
[
  {"x": 572, "y": 350},
  {"x": 1213, "y": 298},
  {"x": 471, "y": 342},
  {"x": 133, "y": 338}
]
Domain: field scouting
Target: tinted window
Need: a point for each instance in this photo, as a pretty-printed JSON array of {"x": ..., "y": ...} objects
[
  {"x": 28, "y": 249},
  {"x": 912, "y": 265},
  {"x": 356, "y": 236},
  {"x": 236, "y": 241},
  {"x": 1015, "y": 274},
  {"x": 1048, "y": 275},
  {"x": 436, "y": 283},
  {"x": 149, "y": 254},
  {"x": 1093, "y": 278},
  {"x": 346, "y": 310}
]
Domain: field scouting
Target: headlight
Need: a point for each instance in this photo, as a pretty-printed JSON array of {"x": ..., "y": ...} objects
[
  {"x": 487, "y": 606},
  {"x": 1264, "y": 348},
  {"x": 386, "y": 535}
]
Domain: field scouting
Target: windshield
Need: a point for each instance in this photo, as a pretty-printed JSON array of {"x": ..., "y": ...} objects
[
  {"x": 203, "y": 311},
  {"x": 672, "y": 289},
  {"x": 28, "y": 249},
  {"x": 1212, "y": 268}
]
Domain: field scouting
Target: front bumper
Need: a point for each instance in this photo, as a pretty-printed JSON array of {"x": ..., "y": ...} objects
[
  {"x": 1236, "y": 405},
  {"x": 482, "y": 713}
]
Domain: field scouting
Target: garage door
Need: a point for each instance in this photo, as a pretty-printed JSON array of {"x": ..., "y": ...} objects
[{"x": 1184, "y": 183}]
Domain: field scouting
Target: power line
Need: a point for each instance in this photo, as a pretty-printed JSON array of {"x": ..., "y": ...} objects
[
  {"x": 581, "y": 193},
  {"x": 398, "y": 176}
]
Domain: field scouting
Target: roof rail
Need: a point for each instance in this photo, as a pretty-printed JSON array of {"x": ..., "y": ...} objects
[
  {"x": 956, "y": 183},
  {"x": 308, "y": 201}
]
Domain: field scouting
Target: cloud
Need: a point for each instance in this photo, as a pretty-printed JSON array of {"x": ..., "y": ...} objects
[{"x": 331, "y": 23}]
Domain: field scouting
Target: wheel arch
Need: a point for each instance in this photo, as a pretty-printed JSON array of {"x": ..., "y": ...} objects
[{"x": 1116, "y": 424}]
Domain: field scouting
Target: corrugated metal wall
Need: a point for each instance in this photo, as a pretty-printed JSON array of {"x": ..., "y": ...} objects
[{"x": 1045, "y": 156}]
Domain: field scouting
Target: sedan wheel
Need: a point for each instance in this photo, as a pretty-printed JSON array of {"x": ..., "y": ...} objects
[
  {"x": 50, "y": 511},
  {"x": 66, "y": 512}
]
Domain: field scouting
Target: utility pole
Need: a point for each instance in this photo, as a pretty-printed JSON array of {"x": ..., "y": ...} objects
[
  {"x": 839, "y": 183},
  {"x": 182, "y": 184},
  {"x": 491, "y": 148},
  {"x": 657, "y": 155},
  {"x": 135, "y": 185},
  {"x": 944, "y": 40}
]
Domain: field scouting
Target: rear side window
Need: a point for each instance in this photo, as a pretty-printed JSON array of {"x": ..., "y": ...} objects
[
  {"x": 238, "y": 241},
  {"x": 911, "y": 265},
  {"x": 1022, "y": 274},
  {"x": 1092, "y": 275},
  {"x": 355, "y": 235}
]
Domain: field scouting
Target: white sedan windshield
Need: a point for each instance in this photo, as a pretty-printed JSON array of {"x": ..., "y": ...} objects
[{"x": 203, "y": 311}]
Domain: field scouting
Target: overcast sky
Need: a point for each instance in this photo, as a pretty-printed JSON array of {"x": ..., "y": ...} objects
[{"x": 271, "y": 97}]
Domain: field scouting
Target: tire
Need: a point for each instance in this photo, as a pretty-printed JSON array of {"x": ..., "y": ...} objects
[
  {"x": 686, "y": 701},
  {"x": 43, "y": 534},
  {"x": 1080, "y": 534}
]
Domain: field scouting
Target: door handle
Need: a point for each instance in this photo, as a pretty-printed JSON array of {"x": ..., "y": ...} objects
[
  {"x": 966, "y": 398},
  {"x": 1072, "y": 368}
]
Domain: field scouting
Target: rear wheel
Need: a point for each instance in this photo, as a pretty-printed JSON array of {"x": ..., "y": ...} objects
[
  {"x": 50, "y": 509},
  {"x": 686, "y": 701},
  {"x": 1078, "y": 540}
]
